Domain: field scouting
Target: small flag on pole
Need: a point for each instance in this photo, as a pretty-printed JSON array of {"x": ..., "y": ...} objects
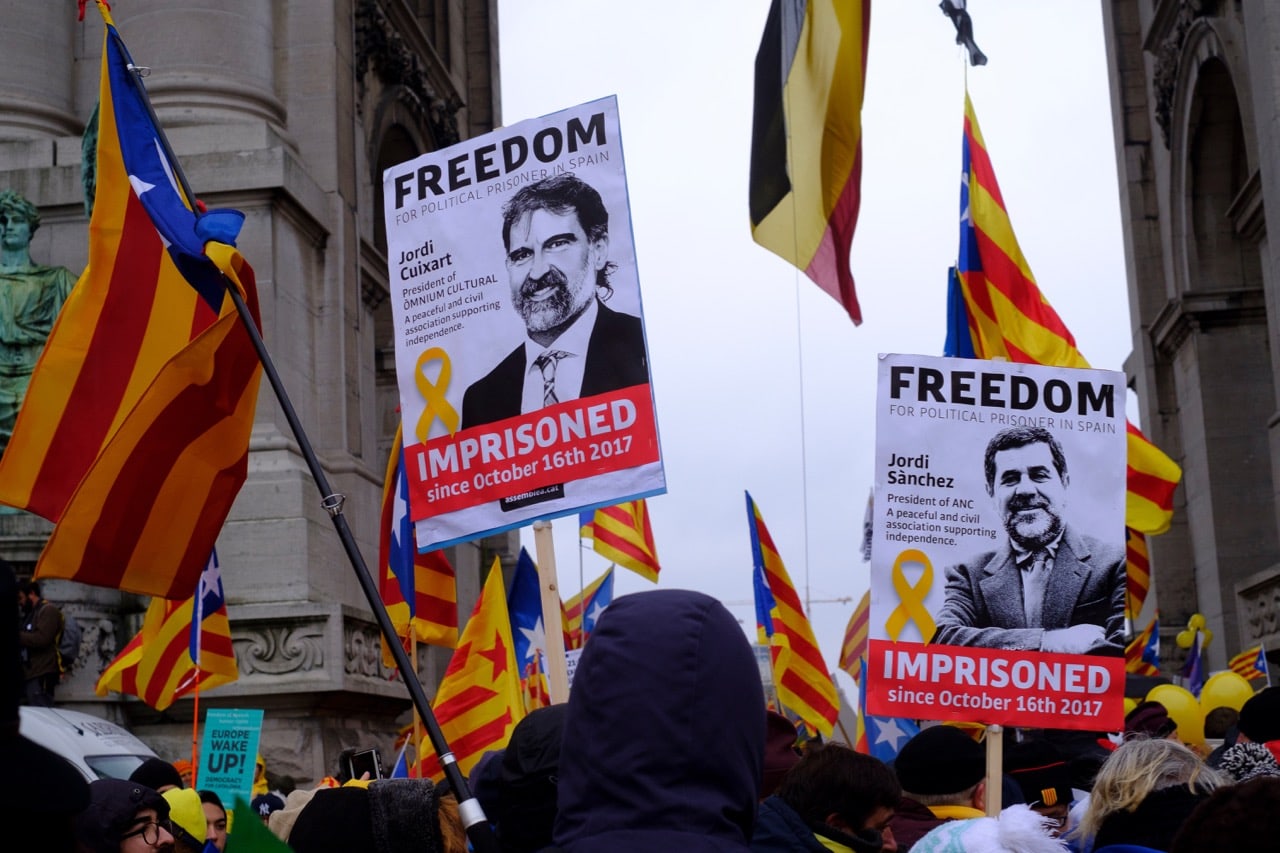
[
  {"x": 800, "y": 674},
  {"x": 1142, "y": 654},
  {"x": 1250, "y": 663},
  {"x": 623, "y": 535}
]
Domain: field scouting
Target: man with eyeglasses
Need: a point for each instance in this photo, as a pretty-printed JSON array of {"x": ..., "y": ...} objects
[{"x": 124, "y": 817}]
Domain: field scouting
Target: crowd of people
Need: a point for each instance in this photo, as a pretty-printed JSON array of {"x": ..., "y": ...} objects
[{"x": 666, "y": 744}]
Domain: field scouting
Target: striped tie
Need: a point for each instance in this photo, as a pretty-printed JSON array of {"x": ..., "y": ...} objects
[{"x": 547, "y": 364}]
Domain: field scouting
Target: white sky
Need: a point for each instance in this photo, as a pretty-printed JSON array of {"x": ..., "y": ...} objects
[{"x": 761, "y": 381}]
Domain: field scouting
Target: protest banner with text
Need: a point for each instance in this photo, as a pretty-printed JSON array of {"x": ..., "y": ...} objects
[
  {"x": 997, "y": 559},
  {"x": 520, "y": 350}
]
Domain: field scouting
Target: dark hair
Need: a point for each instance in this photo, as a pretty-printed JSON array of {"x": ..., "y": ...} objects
[
  {"x": 562, "y": 194},
  {"x": 211, "y": 797},
  {"x": 1219, "y": 721},
  {"x": 29, "y": 587},
  {"x": 1008, "y": 439},
  {"x": 833, "y": 779},
  {"x": 1244, "y": 818}
]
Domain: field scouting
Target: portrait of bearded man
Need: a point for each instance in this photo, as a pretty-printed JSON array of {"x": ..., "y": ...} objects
[{"x": 1047, "y": 587}]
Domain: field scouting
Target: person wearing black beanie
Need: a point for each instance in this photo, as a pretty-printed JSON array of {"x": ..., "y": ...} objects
[
  {"x": 158, "y": 775},
  {"x": 943, "y": 775}
]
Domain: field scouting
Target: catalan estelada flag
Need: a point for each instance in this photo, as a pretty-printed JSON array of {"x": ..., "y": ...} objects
[
  {"x": 582, "y": 611},
  {"x": 799, "y": 671},
  {"x": 1008, "y": 317},
  {"x": 135, "y": 429},
  {"x": 419, "y": 590},
  {"x": 1139, "y": 572},
  {"x": 622, "y": 534},
  {"x": 1142, "y": 654},
  {"x": 854, "y": 649},
  {"x": 1250, "y": 663},
  {"x": 528, "y": 631},
  {"x": 806, "y": 138},
  {"x": 479, "y": 701},
  {"x": 159, "y": 665}
]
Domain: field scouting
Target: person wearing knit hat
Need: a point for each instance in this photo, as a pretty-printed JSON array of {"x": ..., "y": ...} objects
[
  {"x": 1018, "y": 829},
  {"x": 186, "y": 814},
  {"x": 1150, "y": 719},
  {"x": 832, "y": 799},
  {"x": 1043, "y": 775},
  {"x": 942, "y": 771},
  {"x": 1260, "y": 717},
  {"x": 124, "y": 817},
  {"x": 157, "y": 774}
]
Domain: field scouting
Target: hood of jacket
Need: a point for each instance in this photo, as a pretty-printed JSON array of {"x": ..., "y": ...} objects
[{"x": 664, "y": 737}]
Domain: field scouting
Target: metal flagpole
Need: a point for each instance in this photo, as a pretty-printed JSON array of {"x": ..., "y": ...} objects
[{"x": 479, "y": 832}]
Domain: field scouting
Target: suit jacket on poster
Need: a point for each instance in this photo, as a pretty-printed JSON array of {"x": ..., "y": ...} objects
[
  {"x": 983, "y": 605},
  {"x": 615, "y": 359}
]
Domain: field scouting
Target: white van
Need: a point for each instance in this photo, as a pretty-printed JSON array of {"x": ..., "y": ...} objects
[{"x": 98, "y": 748}]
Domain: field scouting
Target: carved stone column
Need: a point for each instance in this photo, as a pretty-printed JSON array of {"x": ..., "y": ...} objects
[
  {"x": 36, "y": 91},
  {"x": 210, "y": 64}
]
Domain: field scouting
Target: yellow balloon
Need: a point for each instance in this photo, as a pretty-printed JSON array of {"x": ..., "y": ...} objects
[
  {"x": 1129, "y": 704},
  {"x": 1184, "y": 639},
  {"x": 1225, "y": 690},
  {"x": 1183, "y": 709},
  {"x": 1196, "y": 621}
]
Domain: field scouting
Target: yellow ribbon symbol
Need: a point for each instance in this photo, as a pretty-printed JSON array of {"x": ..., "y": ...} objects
[
  {"x": 911, "y": 598},
  {"x": 433, "y": 393}
]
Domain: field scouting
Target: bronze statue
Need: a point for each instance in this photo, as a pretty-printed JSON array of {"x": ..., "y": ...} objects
[{"x": 31, "y": 295}]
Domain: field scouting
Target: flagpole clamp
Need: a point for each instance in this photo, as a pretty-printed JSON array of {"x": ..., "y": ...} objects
[
  {"x": 333, "y": 503},
  {"x": 140, "y": 70}
]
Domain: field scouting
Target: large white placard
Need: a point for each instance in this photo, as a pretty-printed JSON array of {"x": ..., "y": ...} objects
[{"x": 520, "y": 351}]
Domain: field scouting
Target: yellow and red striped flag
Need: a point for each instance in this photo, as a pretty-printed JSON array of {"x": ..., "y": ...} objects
[
  {"x": 806, "y": 139},
  {"x": 799, "y": 671},
  {"x": 1139, "y": 572},
  {"x": 134, "y": 434},
  {"x": 597, "y": 596},
  {"x": 159, "y": 664},
  {"x": 1142, "y": 654},
  {"x": 1250, "y": 663},
  {"x": 854, "y": 649},
  {"x": 479, "y": 700},
  {"x": 622, "y": 534},
  {"x": 419, "y": 590},
  {"x": 1008, "y": 317}
]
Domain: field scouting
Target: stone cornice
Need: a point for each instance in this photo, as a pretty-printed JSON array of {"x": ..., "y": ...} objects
[{"x": 1195, "y": 312}]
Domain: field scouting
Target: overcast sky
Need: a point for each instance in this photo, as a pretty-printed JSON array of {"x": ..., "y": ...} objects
[{"x": 761, "y": 381}]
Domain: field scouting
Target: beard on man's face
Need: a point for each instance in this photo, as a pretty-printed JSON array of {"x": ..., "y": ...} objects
[
  {"x": 547, "y": 301},
  {"x": 1031, "y": 520}
]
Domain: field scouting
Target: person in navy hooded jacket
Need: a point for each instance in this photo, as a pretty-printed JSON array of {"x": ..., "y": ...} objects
[{"x": 664, "y": 737}]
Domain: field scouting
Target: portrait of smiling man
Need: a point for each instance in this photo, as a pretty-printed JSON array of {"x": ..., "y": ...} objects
[
  {"x": 1047, "y": 587},
  {"x": 556, "y": 236}
]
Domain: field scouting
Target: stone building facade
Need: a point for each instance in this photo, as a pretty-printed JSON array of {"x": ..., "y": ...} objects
[
  {"x": 1195, "y": 90},
  {"x": 288, "y": 111}
]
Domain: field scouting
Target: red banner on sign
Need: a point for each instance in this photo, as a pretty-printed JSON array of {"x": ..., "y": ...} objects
[
  {"x": 554, "y": 445},
  {"x": 1011, "y": 688}
]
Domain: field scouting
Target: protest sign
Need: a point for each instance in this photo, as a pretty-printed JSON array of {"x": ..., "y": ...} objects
[
  {"x": 998, "y": 561},
  {"x": 520, "y": 349},
  {"x": 228, "y": 752}
]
